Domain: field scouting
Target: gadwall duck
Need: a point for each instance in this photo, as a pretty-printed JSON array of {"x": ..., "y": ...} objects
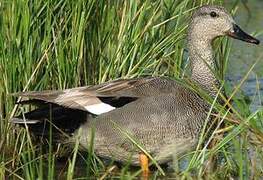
[{"x": 161, "y": 114}]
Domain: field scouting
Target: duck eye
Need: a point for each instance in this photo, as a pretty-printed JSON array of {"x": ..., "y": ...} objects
[{"x": 213, "y": 14}]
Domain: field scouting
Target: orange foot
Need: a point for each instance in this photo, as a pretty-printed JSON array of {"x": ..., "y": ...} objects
[{"x": 144, "y": 162}]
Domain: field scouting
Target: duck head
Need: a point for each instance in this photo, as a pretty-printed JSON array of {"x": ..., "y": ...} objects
[{"x": 209, "y": 22}]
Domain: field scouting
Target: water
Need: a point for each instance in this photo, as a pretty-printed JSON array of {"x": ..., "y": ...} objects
[{"x": 244, "y": 55}]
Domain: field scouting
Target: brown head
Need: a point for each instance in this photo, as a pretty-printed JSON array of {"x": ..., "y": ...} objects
[{"x": 209, "y": 22}]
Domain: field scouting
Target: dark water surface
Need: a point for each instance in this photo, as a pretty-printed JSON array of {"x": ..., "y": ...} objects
[{"x": 244, "y": 55}]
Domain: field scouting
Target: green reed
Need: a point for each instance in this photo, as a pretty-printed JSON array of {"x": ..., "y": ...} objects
[{"x": 58, "y": 44}]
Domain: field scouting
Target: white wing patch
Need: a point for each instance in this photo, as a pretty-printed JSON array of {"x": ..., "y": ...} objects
[
  {"x": 99, "y": 108},
  {"x": 88, "y": 101}
]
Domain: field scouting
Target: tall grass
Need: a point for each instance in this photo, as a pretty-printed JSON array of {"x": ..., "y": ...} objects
[{"x": 60, "y": 44}]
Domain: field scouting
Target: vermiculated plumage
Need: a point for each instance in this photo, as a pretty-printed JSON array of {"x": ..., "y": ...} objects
[{"x": 163, "y": 115}]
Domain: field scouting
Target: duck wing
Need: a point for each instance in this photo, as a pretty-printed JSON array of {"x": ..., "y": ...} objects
[{"x": 107, "y": 96}]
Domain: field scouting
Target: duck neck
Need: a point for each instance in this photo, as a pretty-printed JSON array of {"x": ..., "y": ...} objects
[{"x": 202, "y": 63}]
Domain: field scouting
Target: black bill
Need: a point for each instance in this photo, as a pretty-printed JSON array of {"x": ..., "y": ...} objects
[{"x": 238, "y": 33}]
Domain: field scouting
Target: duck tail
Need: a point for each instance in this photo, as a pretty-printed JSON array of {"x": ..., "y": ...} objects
[{"x": 51, "y": 118}]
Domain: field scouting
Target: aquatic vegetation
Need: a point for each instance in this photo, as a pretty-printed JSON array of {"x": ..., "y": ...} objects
[{"x": 62, "y": 44}]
